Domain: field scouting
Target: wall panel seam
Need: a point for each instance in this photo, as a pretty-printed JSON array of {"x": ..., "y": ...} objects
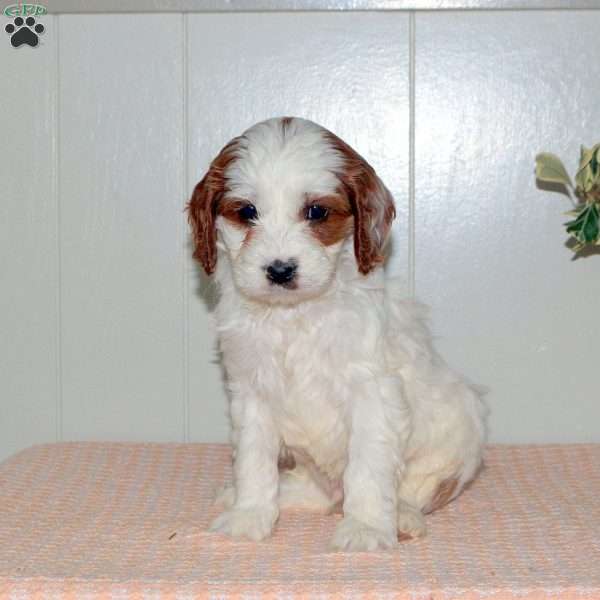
[
  {"x": 58, "y": 231},
  {"x": 411, "y": 153},
  {"x": 185, "y": 260}
]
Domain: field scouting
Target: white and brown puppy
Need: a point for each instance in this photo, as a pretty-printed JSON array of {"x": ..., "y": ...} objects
[{"x": 330, "y": 373}]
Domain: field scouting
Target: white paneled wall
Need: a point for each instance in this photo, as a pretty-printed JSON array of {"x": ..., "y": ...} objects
[
  {"x": 121, "y": 189},
  {"x": 107, "y": 125},
  {"x": 29, "y": 278},
  {"x": 512, "y": 307}
]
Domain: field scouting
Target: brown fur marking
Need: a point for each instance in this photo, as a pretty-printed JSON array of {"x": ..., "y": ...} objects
[
  {"x": 364, "y": 191},
  {"x": 286, "y": 460},
  {"x": 338, "y": 223},
  {"x": 285, "y": 123},
  {"x": 202, "y": 208},
  {"x": 443, "y": 494},
  {"x": 229, "y": 209}
]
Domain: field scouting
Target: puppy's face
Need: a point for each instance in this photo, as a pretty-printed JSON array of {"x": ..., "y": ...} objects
[{"x": 280, "y": 201}]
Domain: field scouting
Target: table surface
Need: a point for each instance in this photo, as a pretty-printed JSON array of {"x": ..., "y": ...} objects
[{"x": 95, "y": 520}]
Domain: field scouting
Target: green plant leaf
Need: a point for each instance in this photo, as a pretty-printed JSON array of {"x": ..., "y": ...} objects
[
  {"x": 591, "y": 227},
  {"x": 594, "y": 162},
  {"x": 586, "y": 227},
  {"x": 585, "y": 156},
  {"x": 588, "y": 175},
  {"x": 549, "y": 168}
]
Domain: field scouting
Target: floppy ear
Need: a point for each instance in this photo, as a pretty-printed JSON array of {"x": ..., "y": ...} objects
[
  {"x": 202, "y": 207},
  {"x": 372, "y": 206}
]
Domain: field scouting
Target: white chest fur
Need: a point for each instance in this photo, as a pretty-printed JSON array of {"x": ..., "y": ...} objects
[{"x": 302, "y": 361}]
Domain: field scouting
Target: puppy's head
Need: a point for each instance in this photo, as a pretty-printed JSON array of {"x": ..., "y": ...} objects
[{"x": 280, "y": 201}]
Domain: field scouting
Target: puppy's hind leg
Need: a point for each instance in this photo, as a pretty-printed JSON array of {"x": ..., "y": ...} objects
[
  {"x": 420, "y": 493},
  {"x": 411, "y": 523}
]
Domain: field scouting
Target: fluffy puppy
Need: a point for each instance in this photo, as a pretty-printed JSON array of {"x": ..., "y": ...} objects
[{"x": 336, "y": 394}]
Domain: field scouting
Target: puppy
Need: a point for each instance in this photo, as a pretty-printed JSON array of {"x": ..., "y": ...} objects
[{"x": 336, "y": 394}]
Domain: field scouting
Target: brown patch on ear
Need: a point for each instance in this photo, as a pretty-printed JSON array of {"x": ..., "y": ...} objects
[
  {"x": 371, "y": 202},
  {"x": 202, "y": 207},
  {"x": 337, "y": 225},
  {"x": 442, "y": 495}
]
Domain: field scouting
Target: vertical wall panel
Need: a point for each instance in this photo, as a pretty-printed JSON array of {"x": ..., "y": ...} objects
[
  {"x": 28, "y": 243},
  {"x": 348, "y": 72},
  {"x": 122, "y": 238},
  {"x": 513, "y": 309}
]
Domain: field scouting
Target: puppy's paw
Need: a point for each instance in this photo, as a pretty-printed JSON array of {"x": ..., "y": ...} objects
[
  {"x": 356, "y": 536},
  {"x": 411, "y": 523},
  {"x": 253, "y": 523}
]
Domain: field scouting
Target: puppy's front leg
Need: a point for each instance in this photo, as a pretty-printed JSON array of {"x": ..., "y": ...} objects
[
  {"x": 379, "y": 422},
  {"x": 256, "y": 477}
]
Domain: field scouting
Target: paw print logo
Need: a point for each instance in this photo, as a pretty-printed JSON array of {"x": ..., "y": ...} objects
[{"x": 24, "y": 32}]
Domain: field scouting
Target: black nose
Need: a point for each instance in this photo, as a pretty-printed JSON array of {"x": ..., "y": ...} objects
[{"x": 280, "y": 272}]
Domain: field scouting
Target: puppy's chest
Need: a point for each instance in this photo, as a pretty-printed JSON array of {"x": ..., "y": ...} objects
[{"x": 310, "y": 408}]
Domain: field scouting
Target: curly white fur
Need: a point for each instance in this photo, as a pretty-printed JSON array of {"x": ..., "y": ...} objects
[{"x": 339, "y": 373}]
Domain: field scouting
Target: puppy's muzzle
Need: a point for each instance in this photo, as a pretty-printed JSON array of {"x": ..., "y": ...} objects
[{"x": 282, "y": 273}]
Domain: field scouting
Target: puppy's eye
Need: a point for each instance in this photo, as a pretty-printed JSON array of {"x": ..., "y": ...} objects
[
  {"x": 248, "y": 212},
  {"x": 316, "y": 213}
]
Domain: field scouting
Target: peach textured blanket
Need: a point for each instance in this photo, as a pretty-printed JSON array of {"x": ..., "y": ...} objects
[{"x": 95, "y": 520}]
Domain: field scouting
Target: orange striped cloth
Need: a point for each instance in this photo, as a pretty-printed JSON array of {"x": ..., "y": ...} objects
[{"x": 95, "y": 520}]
